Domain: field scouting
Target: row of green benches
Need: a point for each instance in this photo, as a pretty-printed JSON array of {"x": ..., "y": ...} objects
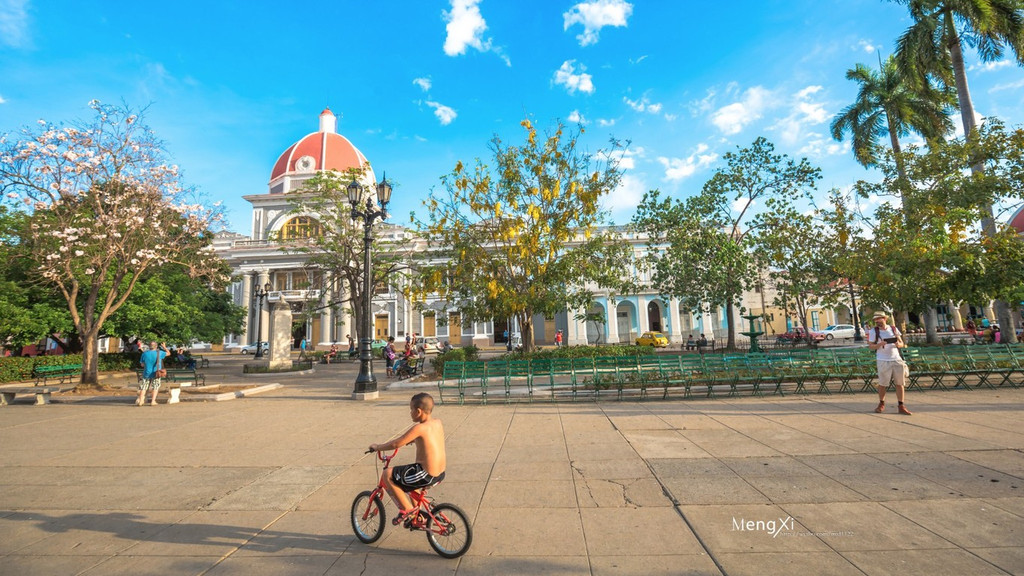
[
  {"x": 62, "y": 373},
  {"x": 797, "y": 371}
]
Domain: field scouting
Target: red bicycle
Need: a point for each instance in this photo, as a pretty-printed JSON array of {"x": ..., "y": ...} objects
[{"x": 448, "y": 530}]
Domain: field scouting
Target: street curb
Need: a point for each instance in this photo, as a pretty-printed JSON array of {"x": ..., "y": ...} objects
[{"x": 229, "y": 395}]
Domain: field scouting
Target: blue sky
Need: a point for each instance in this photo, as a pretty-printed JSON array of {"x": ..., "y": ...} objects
[{"x": 421, "y": 84}]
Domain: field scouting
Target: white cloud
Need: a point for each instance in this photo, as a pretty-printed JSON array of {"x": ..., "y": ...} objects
[
  {"x": 990, "y": 66},
  {"x": 14, "y": 23},
  {"x": 2, "y": 100},
  {"x": 733, "y": 118},
  {"x": 576, "y": 117},
  {"x": 626, "y": 196},
  {"x": 628, "y": 160},
  {"x": 423, "y": 83},
  {"x": 465, "y": 28},
  {"x": 596, "y": 15},
  {"x": 702, "y": 106},
  {"x": 819, "y": 145},
  {"x": 681, "y": 168},
  {"x": 867, "y": 46},
  {"x": 444, "y": 113},
  {"x": 804, "y": 113},
  {"x": 1009, "y": 86},
  {"x": 742, "y": 203},
  {"x": 643, "y": 105},
  {"x": 605, "y": 122},
  {"x": 567, "y": 76}
]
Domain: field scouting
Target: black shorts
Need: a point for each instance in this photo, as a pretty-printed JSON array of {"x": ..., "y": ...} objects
[{"x": 413, "y": 477}]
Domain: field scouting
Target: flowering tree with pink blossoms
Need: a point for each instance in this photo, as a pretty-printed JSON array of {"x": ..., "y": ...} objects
[{"x": 106, "y": 207}]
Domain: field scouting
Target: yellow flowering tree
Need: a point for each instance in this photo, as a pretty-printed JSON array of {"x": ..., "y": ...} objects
[{"x": 525, "y": 235}]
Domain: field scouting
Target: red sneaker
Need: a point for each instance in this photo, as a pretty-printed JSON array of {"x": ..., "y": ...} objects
[
  {"x": 904, "y": 411},
  {"x": 881, "y": 407}
]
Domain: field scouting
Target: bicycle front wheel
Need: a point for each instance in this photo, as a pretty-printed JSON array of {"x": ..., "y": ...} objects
[
  {"x": 448, "y": 531},
  {"x": 368, "y": 517}
]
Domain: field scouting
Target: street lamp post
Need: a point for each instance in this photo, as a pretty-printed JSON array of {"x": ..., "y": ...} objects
[
  {"x": 857, "y": 337},
  {"x": 259, "y": 296},
  {"x": 366, "y": 383}
]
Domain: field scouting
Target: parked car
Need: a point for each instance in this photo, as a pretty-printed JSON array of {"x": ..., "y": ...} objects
[
  {"x": 431, "y": 345},
  {"x": 792, "y": 337},
  {"x": 656, "y": 339},
  {"x": 835, "y": 331},
  {"x": 251, "y": 348}
]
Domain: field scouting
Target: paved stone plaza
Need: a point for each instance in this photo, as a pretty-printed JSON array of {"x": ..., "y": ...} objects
[{"x": 263, "y": 485}]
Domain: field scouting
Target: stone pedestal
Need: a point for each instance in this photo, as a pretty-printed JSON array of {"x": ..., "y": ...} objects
[{"x": 280, "y": 335}]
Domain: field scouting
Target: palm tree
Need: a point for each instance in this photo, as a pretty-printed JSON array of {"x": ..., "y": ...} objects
[
  {"x": 933, "y": 46},
  {"x": 888, "y": 105}
]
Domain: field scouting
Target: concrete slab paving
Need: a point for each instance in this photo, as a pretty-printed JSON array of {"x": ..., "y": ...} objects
[{"x": 773, "y": 485}]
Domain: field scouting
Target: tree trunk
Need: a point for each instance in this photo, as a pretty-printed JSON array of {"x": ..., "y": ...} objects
[
  {"x": 90, "y": 358},
  {"x": 730, "y": 327},
  {"x": 526, "y": 328},
  {"x": 931, "y": 325}
]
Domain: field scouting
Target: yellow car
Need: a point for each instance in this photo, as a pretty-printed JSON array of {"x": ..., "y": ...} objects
[{"x": 656, "y": 339}]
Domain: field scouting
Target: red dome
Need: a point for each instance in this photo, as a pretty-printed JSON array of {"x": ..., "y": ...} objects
[
  {"x": 1018, "y": 220},
  {"x": 328, "y": 150}
]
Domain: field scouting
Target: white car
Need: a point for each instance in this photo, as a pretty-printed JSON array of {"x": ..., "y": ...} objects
[
  {"x": 835, "y": 331},
  {"x": 251, "y": 348}
]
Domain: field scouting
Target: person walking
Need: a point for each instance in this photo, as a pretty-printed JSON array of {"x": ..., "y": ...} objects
[
  {"x": 886, "y": 341},
  {"x": 152, "y": 361},
  {"x": 558, "y": 339}
]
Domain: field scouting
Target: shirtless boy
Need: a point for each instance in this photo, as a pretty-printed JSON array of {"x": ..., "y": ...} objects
[{"x": 428, "y": 435}]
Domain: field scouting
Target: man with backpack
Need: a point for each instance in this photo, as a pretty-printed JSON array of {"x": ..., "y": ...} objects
[{"x": 886, "y": 341}]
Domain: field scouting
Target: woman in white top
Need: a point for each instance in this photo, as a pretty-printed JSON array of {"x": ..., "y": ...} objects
[{"x": 886, "y": 341}]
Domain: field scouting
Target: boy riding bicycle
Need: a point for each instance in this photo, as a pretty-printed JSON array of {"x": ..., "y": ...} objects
[{"x": 428, "y": 435}]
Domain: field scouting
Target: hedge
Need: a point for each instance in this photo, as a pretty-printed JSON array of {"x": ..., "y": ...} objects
[
  {"x": 471, "y": 353},
  {"x": 17, "y": 368}
]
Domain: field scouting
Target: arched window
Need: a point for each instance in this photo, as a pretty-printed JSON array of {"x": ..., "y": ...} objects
[{"x": 301, "y": 227}]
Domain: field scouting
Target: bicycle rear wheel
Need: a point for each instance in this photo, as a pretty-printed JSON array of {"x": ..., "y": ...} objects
[
  {"x": 368, "y": 517},
  {"x": 448, "y": 531}
]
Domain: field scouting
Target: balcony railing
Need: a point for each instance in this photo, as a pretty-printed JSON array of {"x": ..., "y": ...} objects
[{"x": 293, "y": 295}]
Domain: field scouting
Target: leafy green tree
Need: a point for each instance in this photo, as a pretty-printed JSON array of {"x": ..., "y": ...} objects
[
  {"x": 944, "y": 254},
  {"x": 169, "y": 305},
  {"x": 523, "y": 237},
  {"x": 933, "y": 46},
  {"x": 106, "y": 209},
  {"x": 28, "y": 312},
  {"x": 334, "y": 248},
  {"x": 803, "y": 267},
  {"x": 700, "y": 249}
]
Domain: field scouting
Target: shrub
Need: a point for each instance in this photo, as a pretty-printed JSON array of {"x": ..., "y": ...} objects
[
  {"x": 16, "y": 368},
  {"x": 471, "y": 353}
]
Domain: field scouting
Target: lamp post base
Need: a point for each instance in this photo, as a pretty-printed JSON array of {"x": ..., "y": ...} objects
[{"x": 366, "y": 395}]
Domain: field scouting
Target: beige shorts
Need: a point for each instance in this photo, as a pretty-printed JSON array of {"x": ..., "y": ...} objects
[
  {"x": 895, "y": 370},
  {"x": 148, "y": 383}
]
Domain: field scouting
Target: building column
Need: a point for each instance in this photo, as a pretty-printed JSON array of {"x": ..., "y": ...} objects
[
  {"x": 326, "y": 321},
  {"x": 707, "y": 323},
  {"x": 247, "y": 304},
  {"x": 577, "y": 330},
  {"x": 642, "y": 320},
  {"x": 264, "y": 322},
  {"x": 675, "y": 322},
  {"x": 611, "y": 322},
  {"x": 954, "y": 312}
]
